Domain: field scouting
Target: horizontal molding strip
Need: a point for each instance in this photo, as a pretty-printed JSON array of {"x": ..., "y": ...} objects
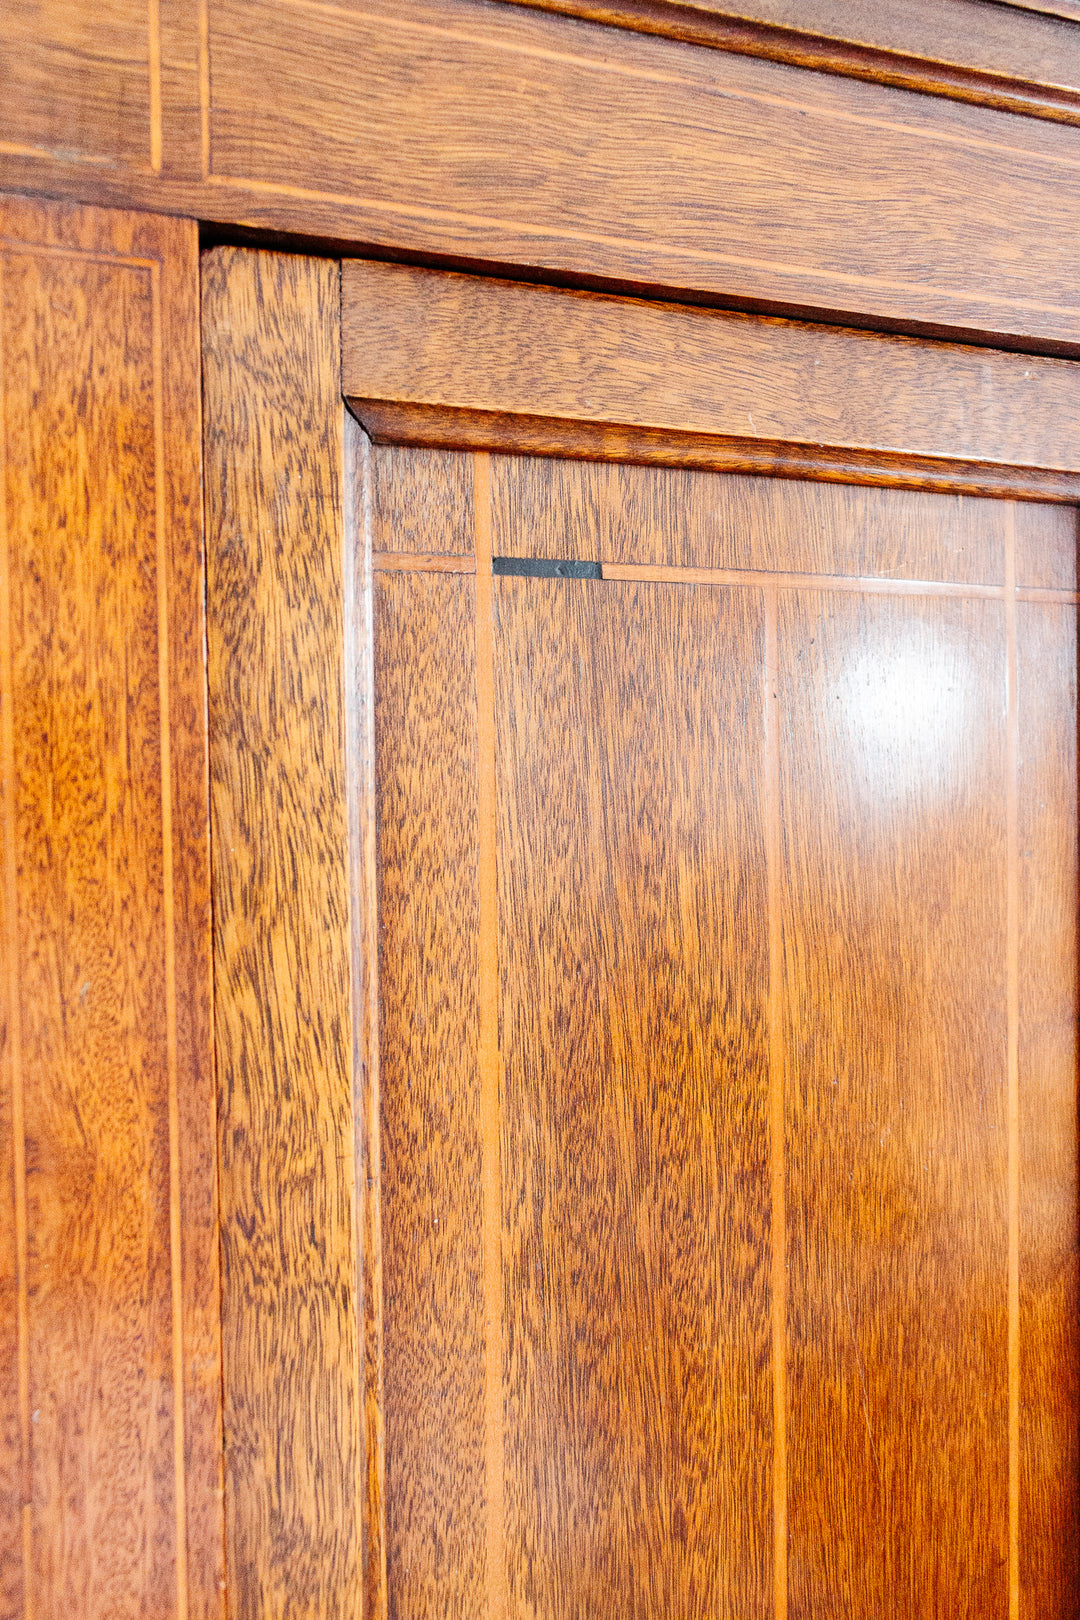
[
  {"x": 1028, "y": 65},
  {"x": 456, "y": 361},
  {"x": 663, "y": 574},
  {"x": 396, "y": 562}
]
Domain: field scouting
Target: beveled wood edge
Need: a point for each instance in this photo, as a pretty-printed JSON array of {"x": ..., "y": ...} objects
[
  {"x": 452, "y": 428},
  {"x": 825, "y": 53},
  {"x": 1064, "y": 10}
]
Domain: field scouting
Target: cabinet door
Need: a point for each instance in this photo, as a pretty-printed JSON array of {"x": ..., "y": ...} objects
[{"x": 669, "y": 871}]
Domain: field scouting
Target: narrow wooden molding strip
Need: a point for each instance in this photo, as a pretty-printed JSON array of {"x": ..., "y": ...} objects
[
  {"x": 389, "y": 562},
  {"x": 961, "y": 49},
  {"x": 673, "y": 574},
  {"x": 436, "y": 358},
  {"x": 1012, "y": 1061},
  {"x": 777, "y": 1155},
  {"x": 1068, "y": 9}
]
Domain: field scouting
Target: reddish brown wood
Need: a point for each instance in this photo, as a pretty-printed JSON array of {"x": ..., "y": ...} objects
[
  {"x": 635, "y": 1096},
  {"x": 1047, "y": 539},
  {"x": 110, "y": 1443},
  {"x": 421, "y": 501},
  {"x": 959, "y": 48},
  {"x": 284, "y": 914},
  {"x": 430, "y": 1086},
  {"x": 1049, "y": 1324},
  {"x": 438, "y": 358},
  {"x": 712, "y": 176},
  {"x": 891, "y": 1005},
  {"x": 683, "y": 519},
  {"x": 895, "y": 943}
]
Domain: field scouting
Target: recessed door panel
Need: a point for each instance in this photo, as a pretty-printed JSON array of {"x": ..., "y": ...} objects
[{"x": 728, "y": 984}]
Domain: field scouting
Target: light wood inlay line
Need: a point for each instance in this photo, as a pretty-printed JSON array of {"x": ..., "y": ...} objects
[
  {"x": 153, "y": 63},
  {"x": 776, "y": 1101},
  {"x": 12, "y": 245},
  {"x": 673, "y": 250},
  {"x": 421, "y": 563},
  {"x": 169, "y": 910},
  {"x": 11, "y": 931},
  {"x": 1045, "y": 593},
  {"x": 19, "y": 149},
  {"x": 204, "y": 86},
  {"x": 661, "y": 574},
  {"x": 424, "y": 562},
  {"x": 1012, "y": 930},
  {"x": 489, "y": 1041},
  {"x": 606, "y": 64}
]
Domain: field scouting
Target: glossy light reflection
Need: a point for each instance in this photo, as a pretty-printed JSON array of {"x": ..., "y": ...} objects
[{"x": 907, "y": 700}]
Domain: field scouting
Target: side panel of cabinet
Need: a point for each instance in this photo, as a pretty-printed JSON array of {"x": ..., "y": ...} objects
[{"x": 109, "y": 1353}]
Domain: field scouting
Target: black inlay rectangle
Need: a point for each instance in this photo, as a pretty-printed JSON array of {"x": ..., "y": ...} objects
[{"x": 546, "y": 567}]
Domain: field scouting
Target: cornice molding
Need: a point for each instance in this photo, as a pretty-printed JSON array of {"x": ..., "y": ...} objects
[{"x": 1027, "y": 61}]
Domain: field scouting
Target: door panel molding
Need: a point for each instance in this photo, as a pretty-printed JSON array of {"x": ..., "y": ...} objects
[{"x": 455, "y": 361}]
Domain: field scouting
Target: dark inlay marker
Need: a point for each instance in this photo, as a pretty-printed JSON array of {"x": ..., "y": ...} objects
[{"x": 546, "y": 567}]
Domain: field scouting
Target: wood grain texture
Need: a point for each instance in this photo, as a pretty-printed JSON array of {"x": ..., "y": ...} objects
[
  {"x": 422, "y": 501},
  {"x": 103, "y": 85},
  {"x": 686, "y": 519},
  {"x": 1049, "y": 1201},
  {"x": 964, "y": 49},
  {"x": 635, "y": 1099},
  {"x": 497, "y": 352},
  {"x": 894, "y": 808},
  {"x": 101, "y": 54},
  {"x": 283, "y": 952},
  {"x": 712, "y": 175},
  {"x": 813, "y": 897},
  {"x": 430, "y": 1085},
  {"x": 478, "y": 129},
  {"x": 438, "y": 427},
  {"x": 110, "y": 1438},
  {"x": 1047, "y": 539},
  {"x": 1069, "y": 9}
]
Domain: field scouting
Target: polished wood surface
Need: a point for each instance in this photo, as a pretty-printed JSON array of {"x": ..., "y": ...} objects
[
  {"x": 439, "y": 358},
  {"x": 1048, "y": 902},
  {"x": 110, "y": 1373},
  {"x": 430, "y": 1090},
  {"x": 785, "y": 945},
  {"x": 469, "y": 131},
  {"x": 102, "y": 86},
  {"x": 293, "y": 1382},
  {"x": 635, "y": 1095},
  {"x": 893, "y": 779},
  {"x": 965, "y": 49}
]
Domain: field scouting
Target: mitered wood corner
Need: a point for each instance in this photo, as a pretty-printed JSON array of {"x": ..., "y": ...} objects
[{"x": 442, "y": 359}]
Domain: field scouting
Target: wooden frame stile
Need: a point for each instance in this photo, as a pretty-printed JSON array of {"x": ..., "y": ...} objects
[{"x": 360, "y": 755}]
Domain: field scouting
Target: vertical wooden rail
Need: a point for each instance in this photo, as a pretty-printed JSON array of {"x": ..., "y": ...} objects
[
  {"x": 293, "y": 1394},
  {"x": 776, "y": 1103},
  {"x": 20, "y": 1473},
  {"x": 489, "y": 1042},
  {"x": 1012, "y": 992},
  {"x": 363, "y": 843}
]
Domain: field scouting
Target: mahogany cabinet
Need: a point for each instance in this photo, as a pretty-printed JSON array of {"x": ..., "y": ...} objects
[{"x": 538, "y": 1030}]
